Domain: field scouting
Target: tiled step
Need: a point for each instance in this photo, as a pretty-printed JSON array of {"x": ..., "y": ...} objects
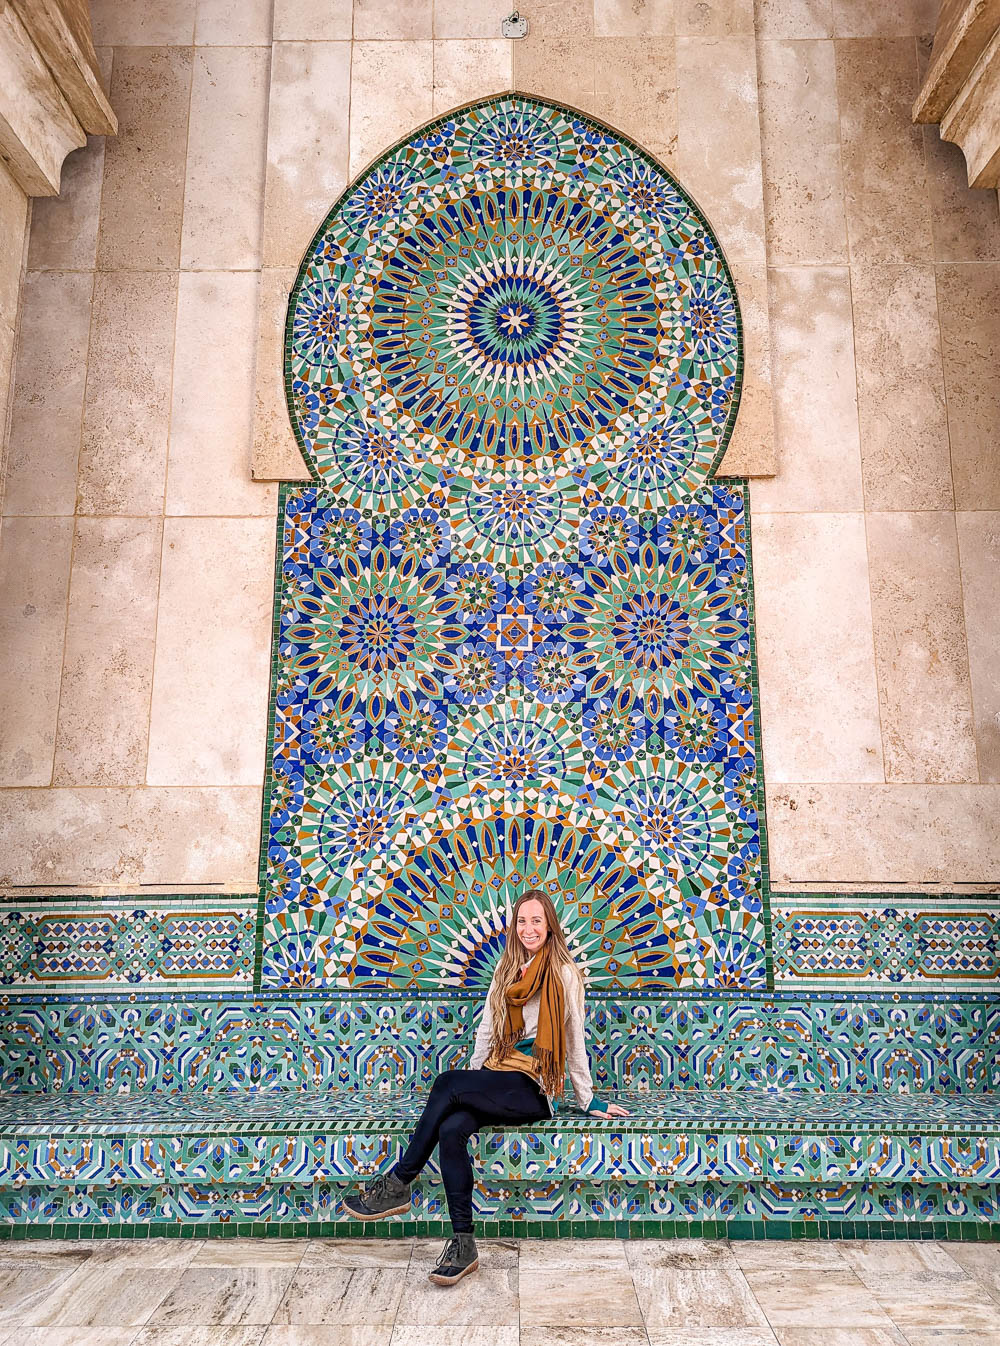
[{"x": 338, "y": 1136}]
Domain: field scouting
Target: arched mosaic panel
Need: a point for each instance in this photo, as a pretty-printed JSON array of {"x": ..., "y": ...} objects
[{"x": 513, "y": 634}]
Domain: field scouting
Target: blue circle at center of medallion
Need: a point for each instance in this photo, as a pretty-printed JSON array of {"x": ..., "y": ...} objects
[{"x": 515, "y": 320}]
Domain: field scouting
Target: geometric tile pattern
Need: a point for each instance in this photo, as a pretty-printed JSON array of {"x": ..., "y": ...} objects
[
  {"x": 143, "y": 1114},
  {"x": 833, "y": 1044},
  {"x": 844, "y": 938},
  {"x": 513, "y": 619},
  {"x": 168, "y": 942},
  {"x": 737, "y": 1154}
]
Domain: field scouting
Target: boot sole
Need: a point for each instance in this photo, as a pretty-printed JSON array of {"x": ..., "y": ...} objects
[
  {"x": 382, "y": 1215},
  {"x": 451, "y": 1280}
]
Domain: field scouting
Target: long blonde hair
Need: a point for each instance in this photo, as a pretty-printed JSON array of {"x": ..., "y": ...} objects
[{"x": 509, "y": 967}]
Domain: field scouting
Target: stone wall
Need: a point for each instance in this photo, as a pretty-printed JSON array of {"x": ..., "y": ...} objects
[{"x": 137, "y": 552}]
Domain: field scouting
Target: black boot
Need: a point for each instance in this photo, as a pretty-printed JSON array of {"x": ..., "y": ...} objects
[
  {"x": 383, "y": 1196},
  {"x": 460, "y": 1257}
]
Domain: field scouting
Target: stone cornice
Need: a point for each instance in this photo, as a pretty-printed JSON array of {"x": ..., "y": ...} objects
[
  {"x": 51, "y": 96},
  {"x": 961, "y": 89}
]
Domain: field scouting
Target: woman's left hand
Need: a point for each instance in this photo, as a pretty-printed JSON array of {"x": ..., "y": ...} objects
[{"x": 612, "y": 1110}]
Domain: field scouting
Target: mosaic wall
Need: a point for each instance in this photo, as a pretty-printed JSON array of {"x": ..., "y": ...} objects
[
  {"x": 514, "y": 642},
  {"x": 833, "y": 1044}
]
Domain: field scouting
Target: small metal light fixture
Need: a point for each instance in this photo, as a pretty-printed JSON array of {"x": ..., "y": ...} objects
[{"x": 515, "y": 25}]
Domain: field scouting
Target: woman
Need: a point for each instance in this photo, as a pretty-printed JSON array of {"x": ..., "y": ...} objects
[{"x": 532, "y": 1029}]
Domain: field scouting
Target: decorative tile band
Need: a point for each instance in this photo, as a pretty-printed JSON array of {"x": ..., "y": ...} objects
[
  {"x": 166, "y": 942},
  {"x": 826, "y": 1043},
  {"x": 560, "y": 1209},
  {"x": 840, "y": 939}
]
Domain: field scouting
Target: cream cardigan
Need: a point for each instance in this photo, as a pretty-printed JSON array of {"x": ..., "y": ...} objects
[{"x": 577, "y": 1060}]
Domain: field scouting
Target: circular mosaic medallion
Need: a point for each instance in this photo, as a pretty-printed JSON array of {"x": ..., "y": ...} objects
[{"x": 506, "y": 292}]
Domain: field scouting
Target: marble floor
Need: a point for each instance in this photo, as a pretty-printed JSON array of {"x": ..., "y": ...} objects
[{"x": 375, "y": 1292}]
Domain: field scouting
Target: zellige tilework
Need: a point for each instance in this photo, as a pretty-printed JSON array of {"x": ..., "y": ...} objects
[{"x": 513, "y": 644}]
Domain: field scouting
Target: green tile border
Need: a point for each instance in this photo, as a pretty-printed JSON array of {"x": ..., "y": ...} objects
[{"x": 737, "y": 1230}]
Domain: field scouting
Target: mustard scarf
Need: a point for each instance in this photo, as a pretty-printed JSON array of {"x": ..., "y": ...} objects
[{"x": 548, "y": 1055}]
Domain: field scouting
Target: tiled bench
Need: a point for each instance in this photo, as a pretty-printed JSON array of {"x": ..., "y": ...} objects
[
  {"x": 835, "y": 1114},
  {"x": 723, "y": 1161}
]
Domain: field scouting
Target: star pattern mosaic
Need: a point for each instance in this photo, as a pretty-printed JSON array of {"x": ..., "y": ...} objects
[{"x": 513, "y": 632}]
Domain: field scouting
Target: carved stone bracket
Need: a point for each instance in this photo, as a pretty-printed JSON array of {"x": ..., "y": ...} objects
[
  {"x": 961, "y": 90},
  {"x": 51, "y": 97}
]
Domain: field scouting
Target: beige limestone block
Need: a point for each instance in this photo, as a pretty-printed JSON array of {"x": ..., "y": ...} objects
[
  {"x": 136, "y": 23},
  {"x": 47, "y": 403},
  {"x": 492, "y": 1301},
  {"x": 182, "y": 837},
  {"x": 813, "y": 387},
  {"x": 6, "y": 386},
  {"x": 636, "y": 90},
  {"x": 979, "y": 552},
  {"x": 391, "y": 95},
  {"x": 124, "y": 453},
  {"x": 714, "y": 18},
  {"x": 794, "y": 1298},
  {"x": 211, "y": 417},
  {"x": 680, "y": 1254},
  {"x": 108, "y": 665},
  {"x": 818, "y": 690},
  {"x": 921, "y": 653},
  {"x": 387, "y": 19},
  {"x": 751, "y": 448},
  {"x": 34, "y": 581},
  {"x": 13, "y": 228},
  {"x": 638, "y": 18},
  {"x": 470, "y": 69},
  {"x": 224, "y": 189},
  {"x": 884, "y": 18},
  {"x": 957, "y": 1309},
  {"x": 432, "y": 1335},
  {"x": 312, "y": 20},
  {"x": 233, "y": 23},
  {"x": 468, "y": 18},
  {"x": 730, "y": 1336},
  {"x": 561, "y": 68},
  {"x": 698, "y": 1297},
  {"x": 816, "y": 1255},
  {"x": 800, "y": 137},
  {"x": 348, "y": 1297},
  {"x": 328, "y": 1335},
  {"x": 223, "y": 1295},
  {"x": 275, "y": 454},
  {"x": 208, "y": 722},
  {"x": 969, "y": 304},
  {"x": 579, "y": 1298},
  {"x": 561, "y": 18},
  {"x": 901, "y": 404},
  {"x": 64, "y": 228},
  {"x": 965, "y": 220},
  {"x": 249, "y": 1252},
  {"x": 722, "y": 170},
  {"x": 143, "y": 198},
  {"x": 552, "y": 1256},
  {"x": 794, "y": 18},
  {"x": 980, "y": 1261},
  {"x": 307, "y": 143},
  {"x": 341, "y": 1252},
  {"x": 877, "y": 1264},
  {"x": 885, "y": 183}
]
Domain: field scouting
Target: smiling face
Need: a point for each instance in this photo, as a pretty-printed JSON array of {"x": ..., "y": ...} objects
[{"x": 532, "y": 927}]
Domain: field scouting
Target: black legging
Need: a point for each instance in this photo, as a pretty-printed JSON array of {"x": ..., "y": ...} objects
[{"x": 460, "y": 1102}]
